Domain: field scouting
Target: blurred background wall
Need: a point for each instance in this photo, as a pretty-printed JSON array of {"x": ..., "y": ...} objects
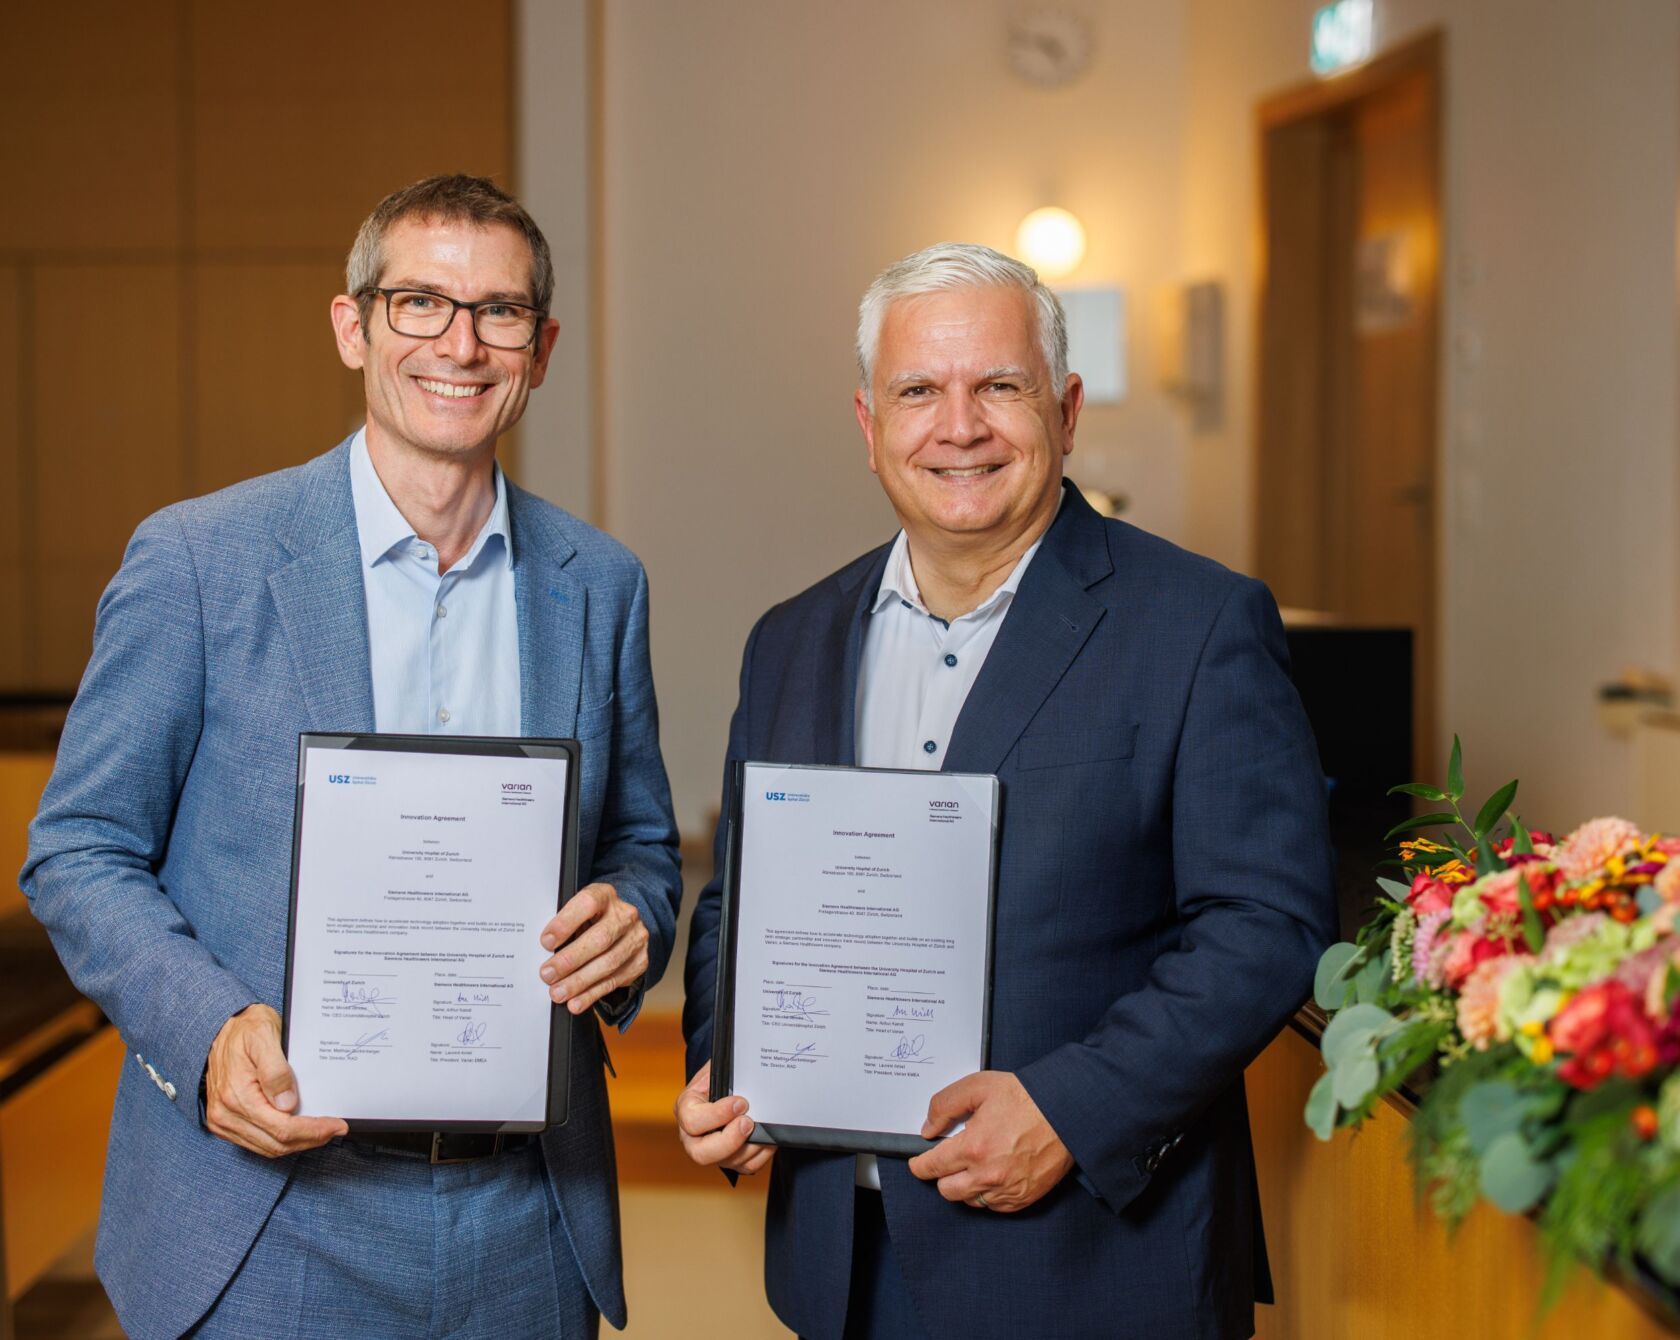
[{"x": 721, "y": 181}]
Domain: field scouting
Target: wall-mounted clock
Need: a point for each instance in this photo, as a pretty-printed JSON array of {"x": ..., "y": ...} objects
[{"x": 1049, "y": 47}]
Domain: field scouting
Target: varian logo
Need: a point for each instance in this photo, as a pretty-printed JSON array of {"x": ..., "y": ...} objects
[{"x": 517, "y": 793}]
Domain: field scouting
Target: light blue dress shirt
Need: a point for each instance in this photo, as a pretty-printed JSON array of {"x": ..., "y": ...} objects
[{"x": 444, "y": 647}]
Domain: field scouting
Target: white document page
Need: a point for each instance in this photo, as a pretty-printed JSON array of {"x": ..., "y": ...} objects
[
  {"x": 861, "y": 943},
  {"x": 424, "y": 881}
]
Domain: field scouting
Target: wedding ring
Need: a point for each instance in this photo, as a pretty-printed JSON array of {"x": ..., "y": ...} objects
[{"x": 980, "y": 1202}]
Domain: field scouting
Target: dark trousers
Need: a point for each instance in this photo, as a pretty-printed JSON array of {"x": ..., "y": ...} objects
[{"x": 879, "y": 1307}]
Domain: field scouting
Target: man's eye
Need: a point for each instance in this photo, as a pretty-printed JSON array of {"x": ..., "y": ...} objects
[
  {"x": 499, "y": 310},
  {"x": 1002, "y": 386},
  {"x": 913, "y": 391},
  {"x": 416, "y": 302}
]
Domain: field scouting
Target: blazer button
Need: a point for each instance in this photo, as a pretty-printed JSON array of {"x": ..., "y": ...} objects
[{"x": 169, "y": 1089}]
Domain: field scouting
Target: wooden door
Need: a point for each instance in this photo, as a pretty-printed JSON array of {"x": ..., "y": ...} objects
[{"x": 1348, "y": 354}]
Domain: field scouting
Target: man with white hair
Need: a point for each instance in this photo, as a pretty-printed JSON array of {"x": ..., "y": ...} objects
[{"x": 1163, "y": 887}]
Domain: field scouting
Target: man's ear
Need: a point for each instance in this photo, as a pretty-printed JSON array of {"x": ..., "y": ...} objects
[
  {"x": 866, "y": 421},
  {"x": 347, "y": 330},
  {"x": 546, "y": 338},
  {"x": 1073, "y": 400}
]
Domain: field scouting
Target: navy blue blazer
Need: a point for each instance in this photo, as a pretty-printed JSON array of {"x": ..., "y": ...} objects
[{"x": 1164, "y": 892}]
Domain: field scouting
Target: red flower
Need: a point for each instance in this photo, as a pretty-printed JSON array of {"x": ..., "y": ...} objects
[
  {"x": 1608, "y": 1034},
  {"x": 1469, "y": 951},
  {"x": 1429, "y": 895}
]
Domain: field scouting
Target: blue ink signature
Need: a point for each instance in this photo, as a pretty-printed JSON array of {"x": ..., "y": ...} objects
[
  {"x": 800, "y": 1051},
  {"x": 480, "y": 997},
  {"x": 472, "y": 1035},
  {"x": 914, "y": 1012},
  {"x": 370, "y": 1039},
  {"x": 795, "y": 1003},
  {"x": 910, "y": 1047},
  {"x": 362, "y": 995}
]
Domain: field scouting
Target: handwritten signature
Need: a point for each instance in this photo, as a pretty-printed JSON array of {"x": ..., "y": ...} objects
[
  {"x": 351, "y": 994},
  {"x": 910, "y": 1047},
  {"x": 795, "y": 1003},
  {"x": 914, "y": 1012},
  {"x": 472, "y": 1035},
  {"x": 477, "y": 998},
  {"x": 373, "y": 1039}
]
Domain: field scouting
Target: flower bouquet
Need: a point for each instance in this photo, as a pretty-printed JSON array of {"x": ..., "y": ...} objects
[{"x": 1538, "y": 981}]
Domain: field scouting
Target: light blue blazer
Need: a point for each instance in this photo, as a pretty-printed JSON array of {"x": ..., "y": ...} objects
[{"x": 160, "y": 859}]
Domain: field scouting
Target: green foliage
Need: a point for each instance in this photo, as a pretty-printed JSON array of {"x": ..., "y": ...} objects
[
  {"x": 1331, "y": 988},
  {"x": 1494, "y": 810},
  {"x": 1534, "y": 935},
  {"x": 1601, "y": 1184},
  {"x": 1455, "y": 771},
  {"x": 1512, "y": 1177},
  {"x": 1420, "y": 821}
]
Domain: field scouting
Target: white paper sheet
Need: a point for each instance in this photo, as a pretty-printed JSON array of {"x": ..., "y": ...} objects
[
  {"x": 424, "y": 881},
  {"x": 861, "y": 942}
]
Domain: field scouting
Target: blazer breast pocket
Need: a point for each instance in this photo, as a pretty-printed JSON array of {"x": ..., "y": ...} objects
[
  {"x": 1064, "y": 748},
  {"x": 594, "y": 718}
]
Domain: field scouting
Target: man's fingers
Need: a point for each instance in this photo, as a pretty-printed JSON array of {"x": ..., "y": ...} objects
[
  {"x": 752, "y": 1159},
  {"x": 622, "y": 962},
  {"x": 945, "y": 1158},
  {"x": 950, "y": 1104},
  {"x": 582, "y": 907},
  {"x": 273, "y": 1074},
  {"x": 698, "y": 1117},
  {"x": 715, "y": 1148},
  {"x": 963, "y": 1186}
]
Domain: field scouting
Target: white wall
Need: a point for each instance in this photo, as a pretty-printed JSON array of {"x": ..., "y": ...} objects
[
  {"x": 1559, "y": 422},
  {"x": 762, "y": 161}
]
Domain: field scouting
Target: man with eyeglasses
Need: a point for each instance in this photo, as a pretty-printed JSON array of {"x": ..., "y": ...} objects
[{"x": 398, "y": 583}]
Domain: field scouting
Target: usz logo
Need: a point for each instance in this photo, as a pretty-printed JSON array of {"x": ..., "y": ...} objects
[
  {"x": 342, "y": 778},
  {"x": 775, "y": 795}
]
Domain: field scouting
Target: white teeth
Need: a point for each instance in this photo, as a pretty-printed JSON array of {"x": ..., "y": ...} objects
[
  {"x": 450, "y": 390},
  {"x": 969, "y": 472}
]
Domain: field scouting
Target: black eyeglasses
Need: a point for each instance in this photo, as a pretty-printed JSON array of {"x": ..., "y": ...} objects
[{"x": 495, "y": 321}]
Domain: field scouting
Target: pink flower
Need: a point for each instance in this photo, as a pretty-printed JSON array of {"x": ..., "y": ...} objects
[
  {"x": 1667, "y": 882},
  {"x": 1424, "y": 944},
  {"x": 1478, "y": 1004},
  {"x": 1646, "y": 974},
  {"x": 1429, "y": 895},
  {"x": 1592, "y": 845},
  {"x": 1468, "y": 952},
  {"x": 1570, "y": 932}
]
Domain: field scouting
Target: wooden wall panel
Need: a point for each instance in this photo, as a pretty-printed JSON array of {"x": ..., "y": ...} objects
[
  {"x": 274, "y": 394},
  {"x": 108, "y": 420},
  {"x": 14, "y": 557},
  {"x": 307, "y": 115},
  {"x": 91, "y": 103}
]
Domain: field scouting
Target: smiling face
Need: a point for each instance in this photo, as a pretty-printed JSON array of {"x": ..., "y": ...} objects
[
  {"x": 447, "y": 396},
  {"x": 966, "y": 431}
]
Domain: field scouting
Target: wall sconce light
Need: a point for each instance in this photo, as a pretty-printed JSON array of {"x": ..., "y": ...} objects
[{"x": 1052, "y": 241}]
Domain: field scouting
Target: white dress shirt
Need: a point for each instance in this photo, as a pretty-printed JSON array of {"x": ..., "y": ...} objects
[
  {"x": 444, "y": 647},
  {"x": 913, "y": 679}
]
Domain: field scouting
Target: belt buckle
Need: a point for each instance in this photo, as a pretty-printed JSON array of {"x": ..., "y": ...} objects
[{"x": 437, "y": 1142}]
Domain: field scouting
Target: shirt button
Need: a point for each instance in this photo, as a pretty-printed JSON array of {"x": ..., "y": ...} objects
[
  {"x": 442, "y": 611},
  {"x": 929, "y": 747},
  {"x": 443, "y": 714},
  {"x": 950, "y": 659}
]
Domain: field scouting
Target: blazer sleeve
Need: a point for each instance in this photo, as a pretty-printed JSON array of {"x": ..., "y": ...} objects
[
  {"x": 636, "y": 850},
  {"x": 700, "y": 972},
  {"x": 1252, "y": 884},
  {"x": 99, "y": 840}
]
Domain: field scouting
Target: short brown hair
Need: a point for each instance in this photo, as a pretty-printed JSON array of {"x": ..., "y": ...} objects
[{"x": 450, "y": 198}]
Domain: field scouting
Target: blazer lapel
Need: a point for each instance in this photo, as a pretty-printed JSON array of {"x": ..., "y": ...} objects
[
  {"x": 320, "y": 602},
  {"x": 840, "y": 646},
  {"x": 1049, "y": 620},
  {"x": 552, "y": 605}
]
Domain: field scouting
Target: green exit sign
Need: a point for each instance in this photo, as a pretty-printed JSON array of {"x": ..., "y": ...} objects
[{"x": 1341, "y": 35}]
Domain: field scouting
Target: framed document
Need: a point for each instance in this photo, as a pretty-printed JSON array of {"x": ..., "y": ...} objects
[
  {"x": 854, "y": 978},
  {"x": 424, "y": 868}
]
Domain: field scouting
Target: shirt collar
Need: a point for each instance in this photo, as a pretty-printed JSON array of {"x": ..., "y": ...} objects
[
  {"x": 380, "y": 527},
  {"x": 898, "y": 582}
]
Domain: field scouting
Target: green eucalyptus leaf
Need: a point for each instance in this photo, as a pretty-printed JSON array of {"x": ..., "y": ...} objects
[
  {"x": 1331, "y": 989},
  {"x": 1394, "y": 888},
  {"x": 1491, "y": 812},
  {"x": 1321, "y": 1107},
  {"x": 1489, "y": 1110},
  {"x": 1355, "y": 1027},
  {"x": 1353, "y": 1080},
  {"x": 1649, "y": 900},
  {"x": 1455, "y": 771},
  {"x": 1421, "y": 821},
  {"x": 1511, "y": 1178},
  {"x": 1659, "y": 1234},
  {"x": 1369, "y": 981},
  {"x": 1420, "y": 789},
  {"x": 1350, "y": 1045}
]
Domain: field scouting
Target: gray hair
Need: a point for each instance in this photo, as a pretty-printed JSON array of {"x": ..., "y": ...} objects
[
  {"x": 958, "y": 265},
  {"x": 453, "y": 198}
]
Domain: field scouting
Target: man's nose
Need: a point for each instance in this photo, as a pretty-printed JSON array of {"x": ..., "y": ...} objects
[
  {"x": 459, "y": 342},
  {"x": 962, "y": 419}
]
